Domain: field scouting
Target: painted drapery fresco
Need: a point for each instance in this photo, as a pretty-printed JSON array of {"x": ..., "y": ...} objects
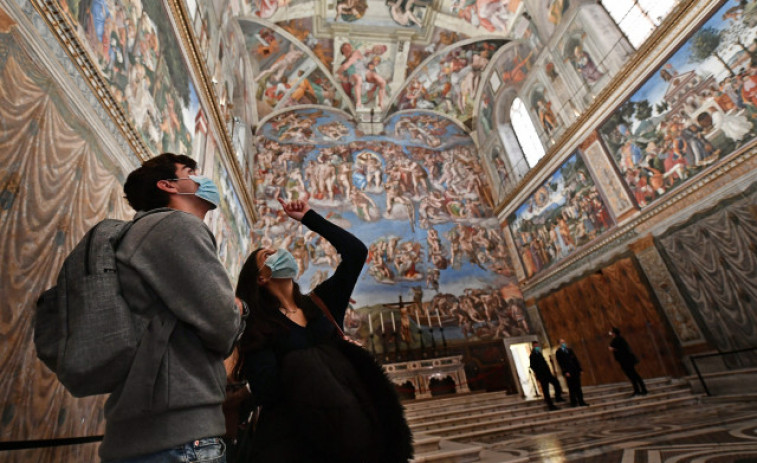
[
  {"x": 56, "y": 181},
  {"x": 713, "y": 258},
  {"x": 449, "y": 82},
  {"x": 485, "y": 119},
  {"x": 562, "y": 215},
  {"x": 417, "y": 196},
  {"x": 134, "y": 46},
  {"x": 694, "y": 110}
]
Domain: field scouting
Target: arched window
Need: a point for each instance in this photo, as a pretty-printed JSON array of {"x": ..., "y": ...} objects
[
  {"x": 638, "y": 18},
  {"x": 526, "y": 133}
]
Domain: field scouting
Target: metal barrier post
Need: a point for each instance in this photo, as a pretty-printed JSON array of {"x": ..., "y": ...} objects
[{"x": 701, "y": 379}]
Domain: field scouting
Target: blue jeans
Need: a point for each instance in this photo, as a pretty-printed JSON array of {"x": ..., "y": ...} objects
[{"x": 207, "y": 450}]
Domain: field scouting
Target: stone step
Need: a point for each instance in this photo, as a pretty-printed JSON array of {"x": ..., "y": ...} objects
[
  {"x": 423, "y": 443},
  {"x": 464, "y": 401},
  {"x": 517, "y": 404},
  {"x": 540, "y": 422},
  {"x": 455, "y": 453},
  {"x": 528, "y": 412}
]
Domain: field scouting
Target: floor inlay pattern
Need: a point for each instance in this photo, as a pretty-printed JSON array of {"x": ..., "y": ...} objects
[{"x": 700, "y": 433}]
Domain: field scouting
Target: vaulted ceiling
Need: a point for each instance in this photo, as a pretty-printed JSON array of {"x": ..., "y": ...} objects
[{"x": 372, "y": 58}]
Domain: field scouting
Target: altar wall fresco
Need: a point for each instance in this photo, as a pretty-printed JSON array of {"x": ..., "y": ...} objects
[
  {"x": 418, "y": 197},
  {"x": 56, "y": 181},
  {"x": 693, "y": 111}
]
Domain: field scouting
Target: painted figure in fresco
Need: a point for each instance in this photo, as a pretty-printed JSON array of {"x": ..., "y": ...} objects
[
  {"x": 282, "y": 64},
  {"x": 370, "y": 166},
  {"x": 402, "y": 11},
  {"x": 350, "y": 10},
  {"x": 363, "y": 206},
  {"x": 357, "y": 70},
  {"x": 556, "y": 10},
  {"x": 265, "y": 8},
  {"x": 584, "y": 64},
  {"x": 516, "y": 71},
  {"x": 546, "y": 116}
]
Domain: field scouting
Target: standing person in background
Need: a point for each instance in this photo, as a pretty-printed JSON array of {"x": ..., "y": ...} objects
[
  {"x": 544, "y": 375},
  {"x": 323, "y": 399},
  {"x": 627, "y": 360},
  {"x": 571, "y": 369}
]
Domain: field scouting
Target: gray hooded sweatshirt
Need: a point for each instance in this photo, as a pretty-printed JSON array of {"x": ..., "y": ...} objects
[{"x": 183, "y": 303}]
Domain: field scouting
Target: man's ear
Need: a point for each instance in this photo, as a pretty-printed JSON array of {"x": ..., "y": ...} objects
[{"x": 167, "y": 185}]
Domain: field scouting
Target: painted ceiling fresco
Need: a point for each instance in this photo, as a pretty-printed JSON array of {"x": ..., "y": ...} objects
[
  {"x": 449, "y": 82},
  {"x": 417, "y": 196}
]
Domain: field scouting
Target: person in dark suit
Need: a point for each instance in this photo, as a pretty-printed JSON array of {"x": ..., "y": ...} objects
[
  {"x": 627, "y": 360},
  {"x": 544, "y": 376},
  {"x": 571, "y": 369}
]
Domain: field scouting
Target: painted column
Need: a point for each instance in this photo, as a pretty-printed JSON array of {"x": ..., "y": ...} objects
[{"x": 673, "y": 304}]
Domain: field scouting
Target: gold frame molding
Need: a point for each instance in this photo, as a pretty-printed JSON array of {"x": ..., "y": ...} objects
[{"x": 65, "y": 32}]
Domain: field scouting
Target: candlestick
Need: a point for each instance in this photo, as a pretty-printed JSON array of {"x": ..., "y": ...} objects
[
  {"x": 394, "y": 328},
  {"x": 381, "y": 315},
  {"x": 439, "y": 319},
  {"x": 428, "y": 318},
  {"x": 370, "y": 325}
]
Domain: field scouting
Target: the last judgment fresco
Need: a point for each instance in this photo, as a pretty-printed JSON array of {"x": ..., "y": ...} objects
[{"x": 417, "y": 196}]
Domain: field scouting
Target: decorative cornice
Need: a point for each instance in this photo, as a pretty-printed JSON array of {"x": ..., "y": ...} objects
[
  {"x": 643, "y": 60},
  {"x": 615, "y": 240},
  {"x": 65, "y": 33},
  {"x": 207, "y": 91}
]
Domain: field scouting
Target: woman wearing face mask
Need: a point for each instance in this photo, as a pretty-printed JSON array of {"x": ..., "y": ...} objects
[{"x": 322, "y": 399}]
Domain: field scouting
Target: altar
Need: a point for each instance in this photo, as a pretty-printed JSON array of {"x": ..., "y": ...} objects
[{"x": 420, "y": 373}]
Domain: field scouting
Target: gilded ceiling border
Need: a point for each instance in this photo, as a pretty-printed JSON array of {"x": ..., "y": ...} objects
[
  {"x": 197, "y": 63},
  {"x": 65, "y": 33}
]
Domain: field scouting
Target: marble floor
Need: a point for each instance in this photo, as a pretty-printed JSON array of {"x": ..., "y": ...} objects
[{"x": 712, "y": 430}]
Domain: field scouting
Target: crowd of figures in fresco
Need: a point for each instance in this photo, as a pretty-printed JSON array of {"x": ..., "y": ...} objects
[
  {"x": 135, "y": 48},
  {"x": 417, "y": 196},
  {"x": 565, "y": 213},
  {"x": 700, "y": 106}
]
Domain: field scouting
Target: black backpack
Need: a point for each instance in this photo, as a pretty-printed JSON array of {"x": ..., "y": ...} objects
[{"x": 83, "y": 328}]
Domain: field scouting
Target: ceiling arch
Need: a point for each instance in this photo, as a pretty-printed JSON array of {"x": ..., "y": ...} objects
[
  {"x": 448, "y": 81},
  {"x": 288, "y": 72}
]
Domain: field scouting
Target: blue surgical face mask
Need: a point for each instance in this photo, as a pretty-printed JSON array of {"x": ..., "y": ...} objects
[
  {"x": 564, "y": 345},
  {"x": 282, "y": 264},
  {"x": 207, "y": 190},
  {"x": 537, "y": 349}
]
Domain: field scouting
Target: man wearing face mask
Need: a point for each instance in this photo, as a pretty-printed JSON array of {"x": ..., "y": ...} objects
[
  {"x": 544, "y": 376},
  {"x": 168, "y": 408},
  {"x": 571, "y": 369}
]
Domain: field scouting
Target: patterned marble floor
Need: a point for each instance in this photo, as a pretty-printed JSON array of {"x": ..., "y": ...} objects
[{"x": 708, "y": 432}]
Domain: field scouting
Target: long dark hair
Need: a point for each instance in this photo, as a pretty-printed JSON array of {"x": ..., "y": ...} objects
[{"x": 265, "y": 322}]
